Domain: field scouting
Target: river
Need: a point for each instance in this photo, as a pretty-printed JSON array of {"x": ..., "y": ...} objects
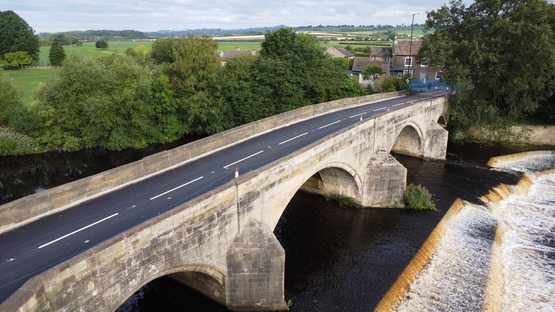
[{"x": 337, "y": 259}]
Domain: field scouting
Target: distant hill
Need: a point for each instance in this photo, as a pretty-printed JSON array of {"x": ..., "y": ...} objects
[{"x": 90, "y": 35}]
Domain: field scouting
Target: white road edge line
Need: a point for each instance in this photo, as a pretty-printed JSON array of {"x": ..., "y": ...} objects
[
  {"x": 379, "y": 109},
  {"x": 293, "y": 138},
  {"x": 333, "y": 123},
  {"x": 240, "y": 160},
  {"x": 79, "y": 230},
  {"x": 177, "y": 187}
]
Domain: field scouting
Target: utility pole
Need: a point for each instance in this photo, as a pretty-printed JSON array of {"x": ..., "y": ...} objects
[{"x": 410, "y": 46}]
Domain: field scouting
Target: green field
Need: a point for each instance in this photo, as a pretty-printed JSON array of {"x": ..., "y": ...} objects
[{"x": 27, "y": 81}]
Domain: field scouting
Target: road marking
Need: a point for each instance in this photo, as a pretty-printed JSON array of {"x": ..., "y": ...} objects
[
  {"x": 293, "y": 138},
  {"x": 379, "y": 109},
  {"x": 240, "y": 160},
  {"x": 177, "y": 187},
  {"x": 357, "y": 115},
  {"x": 395, "y": 105},
  {"x": 333, "y": 123},
  {"x": 77, "y": 231}
]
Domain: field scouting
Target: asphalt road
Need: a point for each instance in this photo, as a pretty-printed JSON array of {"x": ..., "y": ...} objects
[{"x": 38, "y": 246}]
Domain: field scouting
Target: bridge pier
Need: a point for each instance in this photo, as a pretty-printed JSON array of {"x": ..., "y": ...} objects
[
  {"x": 255, "y": 270},
  {"x": 385, "y": 183},
  {"x": 435, "y": 143}
]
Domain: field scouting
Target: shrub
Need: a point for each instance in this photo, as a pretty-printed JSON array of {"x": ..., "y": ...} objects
[{"x": 418, "y": 197}]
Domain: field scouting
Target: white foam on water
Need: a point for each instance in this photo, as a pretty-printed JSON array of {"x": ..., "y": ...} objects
[
  {"x": 456, "y": 276},
  {"x": 528, "y": 248},
  {"x": 455, "y": 279}
]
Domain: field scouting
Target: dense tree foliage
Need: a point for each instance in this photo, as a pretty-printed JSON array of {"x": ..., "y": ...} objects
[
  {"x": 181, "y": 87},
  {"x": 102, "y": 102},
  {"x": 57, "y": 54},
  {"x": 14, "y": 60},
  {"x": 498, "y": 55},
  {"x": 101, "y": 44},
  {"x": 9, "y": 100},
  {"x": 17, "y": 36}
]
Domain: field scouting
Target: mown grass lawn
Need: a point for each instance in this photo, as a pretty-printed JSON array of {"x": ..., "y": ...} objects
[{"x": 27, "y": 81}]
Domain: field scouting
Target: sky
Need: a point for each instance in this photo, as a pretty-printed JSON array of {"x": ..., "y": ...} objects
[{"x": 153, "y": 15}]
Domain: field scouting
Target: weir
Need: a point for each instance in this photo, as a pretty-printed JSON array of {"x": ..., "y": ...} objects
[{"x": 492, "y": 257}]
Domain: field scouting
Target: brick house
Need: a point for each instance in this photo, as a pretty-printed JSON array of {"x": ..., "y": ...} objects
[{"x": 404, "y": 61}]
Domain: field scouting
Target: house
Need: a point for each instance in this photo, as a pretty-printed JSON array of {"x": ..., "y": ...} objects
[
  {"x": 225, "y": 55},
  {"x": 337, "y": 51},
  {"x": 404, "y": 61},
  {"x": 380, "y": 54},
  {"x": 361, "y": 63}
]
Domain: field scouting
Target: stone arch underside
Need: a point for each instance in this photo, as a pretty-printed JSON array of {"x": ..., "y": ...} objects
[
  {"x": 332, "y": 181},
  {"x": 409, "y": 142},
  {"x": 442, "y": 121},
  {"x": 205, "y": 279}
]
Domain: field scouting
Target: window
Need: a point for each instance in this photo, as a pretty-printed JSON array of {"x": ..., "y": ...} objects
[
  {"x": 408, "y": 61},
  {"x": 424, "y": 62},
  {"x": 439, "y": 75},
  {"x": 407, "y": 73}
]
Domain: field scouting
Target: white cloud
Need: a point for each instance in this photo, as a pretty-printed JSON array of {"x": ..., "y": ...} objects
[{"x": 66, "y": 15}]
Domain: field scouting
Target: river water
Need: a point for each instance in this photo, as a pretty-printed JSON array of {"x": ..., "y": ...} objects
[{"x": 337, "y": 259}]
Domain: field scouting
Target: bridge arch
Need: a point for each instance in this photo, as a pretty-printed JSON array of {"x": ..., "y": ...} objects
[
  {"x": 203, "y": 278},
  {"x": 442, "y": 121},
  {"x": 409, "y": 141},
  {"x": 333, "y": 178}
]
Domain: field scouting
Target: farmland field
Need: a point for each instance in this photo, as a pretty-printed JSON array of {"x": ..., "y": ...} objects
[{"x": 27, "y": 81}]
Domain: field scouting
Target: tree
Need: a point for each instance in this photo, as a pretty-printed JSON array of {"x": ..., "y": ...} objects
[
  {"x": 498, "y": 55},
  {"x": 101, "y": 44},
  {"x": 14, "y": 60},
  {"x": 372, "y": 70},
  {"x": 99, "y": 103},
  {"x": 9, "y": 100},
  {"x": 17, "y": 36},
  {"x": 57, "y": 54}
]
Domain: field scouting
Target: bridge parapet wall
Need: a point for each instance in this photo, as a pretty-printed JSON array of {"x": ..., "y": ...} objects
[
  {"x": 190, "y": 237},
  {"x": 30, "y": 208}
]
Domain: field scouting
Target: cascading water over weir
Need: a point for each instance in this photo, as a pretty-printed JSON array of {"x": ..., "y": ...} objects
[{"x": 499, "y": 256}]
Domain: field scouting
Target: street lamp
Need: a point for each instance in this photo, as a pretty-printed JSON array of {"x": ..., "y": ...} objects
[{"x": 410, "y": 46}]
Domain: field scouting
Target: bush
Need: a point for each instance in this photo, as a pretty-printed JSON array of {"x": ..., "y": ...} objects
[
  {"x": 418, "y": 197},
  {"x": 101, "y": 44}
]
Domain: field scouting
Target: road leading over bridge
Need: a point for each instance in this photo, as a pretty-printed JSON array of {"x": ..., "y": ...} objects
[{"x": 90, "y": 244}]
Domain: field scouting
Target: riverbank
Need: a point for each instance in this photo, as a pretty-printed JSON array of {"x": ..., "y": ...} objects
[{"x": 521, "y": 134}]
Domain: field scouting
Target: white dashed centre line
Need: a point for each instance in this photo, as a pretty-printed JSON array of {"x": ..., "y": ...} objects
[
  {"x": 240, "y": 160},
  {"x": 333, "y": 123},
  {"x": 293, "y": 138},
  {"x": 177, "y": 187},
  {"x": 77, "y": 231}
]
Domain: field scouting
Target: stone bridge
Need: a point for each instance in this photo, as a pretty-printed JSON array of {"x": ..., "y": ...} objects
[{"x": 222, "y": 243}]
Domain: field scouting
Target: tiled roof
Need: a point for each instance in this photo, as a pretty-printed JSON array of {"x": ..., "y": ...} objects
[
  {"x": 360, "y": 63},
  {"x": 344, "y": 51},
  {"x": 403, "y": 46},
  {"x": 380, "y": 52}
]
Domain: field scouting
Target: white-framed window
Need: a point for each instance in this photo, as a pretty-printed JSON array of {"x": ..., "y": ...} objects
[
  {"x": 424, "y": 62},
  {"x": 408, "y": 73},
  {"x": 439, "y": 75},
  {"x": 408, "y": 61}
]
